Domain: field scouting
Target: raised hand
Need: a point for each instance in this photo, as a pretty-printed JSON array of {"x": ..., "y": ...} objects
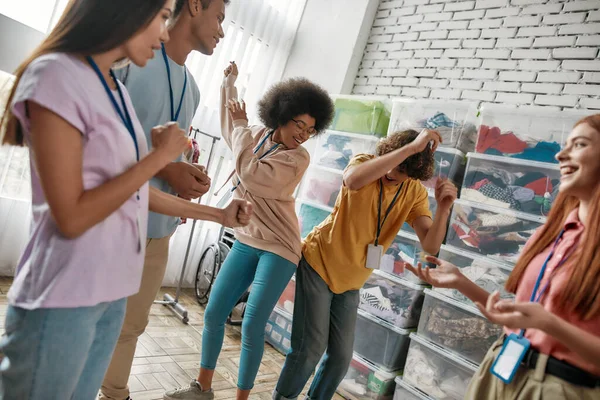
[{"x": 445, "y": 275}]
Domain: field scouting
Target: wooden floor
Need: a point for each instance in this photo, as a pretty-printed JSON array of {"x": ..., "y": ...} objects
[{"x": 168, "y": 354}]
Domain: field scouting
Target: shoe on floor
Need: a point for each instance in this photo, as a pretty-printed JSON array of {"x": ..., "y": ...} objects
[{"x": 192, "y": 392}]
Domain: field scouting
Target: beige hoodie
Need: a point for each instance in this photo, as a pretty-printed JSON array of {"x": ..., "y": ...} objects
[{"x": 269, "y": 184}]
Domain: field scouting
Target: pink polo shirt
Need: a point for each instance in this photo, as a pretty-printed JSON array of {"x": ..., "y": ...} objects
[
  {"x": 541, "y": 341},
  {"x": 104, "y": 263}
]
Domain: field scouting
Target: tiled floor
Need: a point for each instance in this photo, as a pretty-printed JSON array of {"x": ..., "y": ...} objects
[{"x": 167, "y": 355}]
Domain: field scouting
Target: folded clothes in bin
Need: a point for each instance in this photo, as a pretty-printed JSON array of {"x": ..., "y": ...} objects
[
  {"x": 494, "y": 232},
  {"x": 394, "y": 300},
  {"x": 436, "y": 372},
  {"x": 356, "y": 115},
  {"x": 309, "y": 217},
  {"x": 457, "y": 327},
  {"x": 365, "y": 381}
]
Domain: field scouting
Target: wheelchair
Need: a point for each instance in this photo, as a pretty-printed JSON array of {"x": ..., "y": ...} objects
[{"x": 208, "y": 268}]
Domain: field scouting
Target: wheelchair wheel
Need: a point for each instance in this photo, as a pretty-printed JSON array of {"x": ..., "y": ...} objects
[{"x": 207, "y": 271}]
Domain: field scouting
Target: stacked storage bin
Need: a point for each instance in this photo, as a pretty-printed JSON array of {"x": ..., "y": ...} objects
[
  {"x": 509, "y": 185},
  {"x": 358, "y": 125}
]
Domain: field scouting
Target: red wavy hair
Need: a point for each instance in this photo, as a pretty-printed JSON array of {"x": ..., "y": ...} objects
[{"x": 582, "y": 293}]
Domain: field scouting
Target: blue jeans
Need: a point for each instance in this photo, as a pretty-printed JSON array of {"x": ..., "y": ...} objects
[
  {"x": 58, "y": 353},
  {"x": 323, "y": 321},
  {"x": 269, "y": 274}
]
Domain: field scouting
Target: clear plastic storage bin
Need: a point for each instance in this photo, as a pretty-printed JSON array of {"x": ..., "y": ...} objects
[
  {"x": 404, "y": 391},
  {"x": 322, "y": 186},
  {"x": 485, "y": 273},
  {"x": 525, "y": 134},
  {"x": 457, "y": 327},
  {"x": 496, "y": 233},
  {"x": 311, "y": 215},
  {"x": 521, "y": 185},
  {"x": 456, "y": 121},
  {"x": 335, "y": 149},
  {"x": 394, "y": 300},
  {"x": 405, "y": 248},
  {"x": 365, "y": 381},
  {"x": 278, "y": 331},
  {"x": 286, "y": 300},
  {"x": 449, "y": 163},
  {"x": 382, "y": 343},
  {"x": 437, "y": 372},
  {"x": 360, "y": 114}
]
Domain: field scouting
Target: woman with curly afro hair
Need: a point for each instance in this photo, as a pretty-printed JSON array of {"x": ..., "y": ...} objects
[
  {"x": 378, "y": 194},
  {"x": 269, "y": 163}
]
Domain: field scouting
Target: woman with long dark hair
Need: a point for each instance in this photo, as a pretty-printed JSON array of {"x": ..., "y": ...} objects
[
  {"x": 551, "y": 346},
  {"x": 89, "y": 168}
]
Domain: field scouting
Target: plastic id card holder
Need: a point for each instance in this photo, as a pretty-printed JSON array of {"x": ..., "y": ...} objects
[
  {"x": 374, "y": 254},
  {"x": 507, "y": 363}
]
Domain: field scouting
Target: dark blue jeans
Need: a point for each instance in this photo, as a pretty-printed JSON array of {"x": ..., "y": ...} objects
[{"x": 323, "y": 321}]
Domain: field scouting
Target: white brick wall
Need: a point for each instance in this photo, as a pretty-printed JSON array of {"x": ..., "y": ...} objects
[{"x": 529, "y": 53}]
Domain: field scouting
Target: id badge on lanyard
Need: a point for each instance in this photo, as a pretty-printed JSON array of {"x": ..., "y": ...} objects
[
  {"x": 375, "y": 250},
  {"x": 515, "y": 347}
]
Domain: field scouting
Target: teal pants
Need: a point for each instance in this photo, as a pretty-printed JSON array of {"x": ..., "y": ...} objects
[{"x": 269, "y": 274}]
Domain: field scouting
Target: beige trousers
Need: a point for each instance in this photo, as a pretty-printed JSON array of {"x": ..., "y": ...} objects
[
  {"x": 528, "y": 384},
  {"x": 137, "y": 315}
]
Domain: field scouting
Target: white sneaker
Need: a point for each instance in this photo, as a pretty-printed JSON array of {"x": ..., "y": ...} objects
[{"x": 192, "y": 392}]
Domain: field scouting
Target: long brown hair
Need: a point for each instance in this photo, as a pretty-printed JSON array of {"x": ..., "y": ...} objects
[
  {"x": 582, "y": 292},
  {"x": 86, "y": 27}
]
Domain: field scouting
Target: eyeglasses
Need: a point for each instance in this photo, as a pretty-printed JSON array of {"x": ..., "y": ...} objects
[{"x": 303, "y": 128}]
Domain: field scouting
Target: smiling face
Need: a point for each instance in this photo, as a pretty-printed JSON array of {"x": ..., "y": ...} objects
[
  {"x": 207, "y": 26},
  {"x": 394, "y": 177},
  {"x": 580, "y": 162},
  {"x": 140, "y": 48},
  {"x": 296, "y": 131}
]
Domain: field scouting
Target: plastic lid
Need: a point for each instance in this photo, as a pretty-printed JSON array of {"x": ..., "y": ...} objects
[
  {"x": 283, "y": 313},
  {"x": 515, "y": 161},
  {"x": 362, "y": 136},
  {"x": 452, "y": 302},
  {"x": 397, "y": 279},
  {"x": 388, "y": 376},
  {"x": 385, "y": 324},
  {"x": 474, "y": 256},
  {"x": 409, "y": 388},
  {"x": 499, "y": 210},
  {"x": 444, "y": 353}
]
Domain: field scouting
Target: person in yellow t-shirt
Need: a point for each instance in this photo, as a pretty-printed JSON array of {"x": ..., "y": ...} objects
[{"x": 378, "y": 195}]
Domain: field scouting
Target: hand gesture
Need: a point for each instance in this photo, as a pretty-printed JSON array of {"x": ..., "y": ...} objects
[
  {"x": 515, "y": 315},
  {"x": 446, "y": 275},
  {"x": 425, "y": 137},
  {"x": 237, "y": 110},
  {"x": 169, "y": 140},
  {"x": 189, "y": 181},
  {"x": 237, "y": 213},
  {"x": 231, "y": 69},
  {"x": 445, "y": 194}
]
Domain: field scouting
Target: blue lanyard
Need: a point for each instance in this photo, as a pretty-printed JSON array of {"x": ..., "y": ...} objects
[
  {"x": 261, "y": 144},
  {"x": 174, "y": 115},
  {"x": 124, "y": 114},
  {"x": 389, "y": 209},
  {"x": 535, "y": 296}
]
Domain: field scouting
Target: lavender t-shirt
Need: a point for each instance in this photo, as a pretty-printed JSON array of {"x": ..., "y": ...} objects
[{"x": 104, "y": 263}]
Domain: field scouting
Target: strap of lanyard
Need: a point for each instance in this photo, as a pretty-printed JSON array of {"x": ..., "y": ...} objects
[
  {"x": 123, "y": 114},
  {"x": 260, "y": 145},
  {"x": 535, "y": 296},
  {"x": 389, "y": 209},
  {"x": 174, "y": 115}
]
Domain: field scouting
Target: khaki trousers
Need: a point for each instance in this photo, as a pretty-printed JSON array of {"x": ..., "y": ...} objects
[
  {"x": 137, "y": 315},
  {"x": 528, "y": 384}
]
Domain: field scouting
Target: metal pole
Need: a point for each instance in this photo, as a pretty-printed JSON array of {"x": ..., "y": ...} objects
[{"x": 170, "y": 301}]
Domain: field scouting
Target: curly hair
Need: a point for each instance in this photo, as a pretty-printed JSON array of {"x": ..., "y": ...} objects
[
  {"x": 292, "y": 97},
  {"x": 418, "y": 166}
]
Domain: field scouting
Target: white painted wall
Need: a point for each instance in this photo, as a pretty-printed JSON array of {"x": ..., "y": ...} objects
[
  {"x": 330, "y": 42},
  {"x": 534, "y": 53}
]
